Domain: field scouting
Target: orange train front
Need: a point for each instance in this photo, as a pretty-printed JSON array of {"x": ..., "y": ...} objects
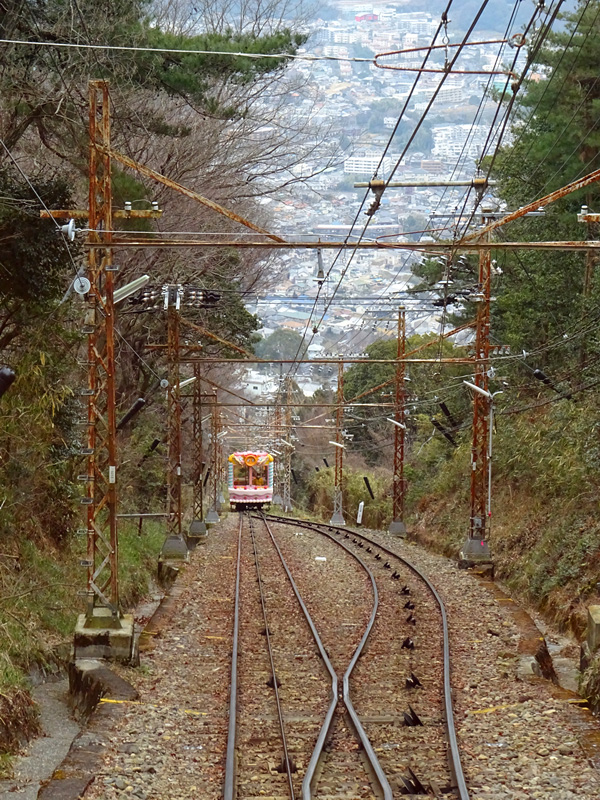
[{"x": 250, "y": 480}]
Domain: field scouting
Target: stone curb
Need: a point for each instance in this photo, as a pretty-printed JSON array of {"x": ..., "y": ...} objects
[{"x": 90, "y": 683}]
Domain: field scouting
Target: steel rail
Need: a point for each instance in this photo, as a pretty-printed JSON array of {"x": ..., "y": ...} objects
[
  {"x": 230, "y": 762},
  {"x": 286, "y": 757},
  {"x": 325, "y": 728},
  {"x": 364, "y": 739},
  {"x": 454, "y": 752}
]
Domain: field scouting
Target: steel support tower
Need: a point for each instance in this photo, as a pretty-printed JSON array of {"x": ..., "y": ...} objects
[
  {"x": 213, "y": 515},
  {"x": 101, "y": 496},
  {"x": 277, "y": 433},
  {"x": 288, "y": 448},
  {"x": 397, "y": 525},
  {"x": 102, "y": 631},
  {"x": 197, "y": 525},
  {"x": 175, "y": 546},
  {"x": 338, "y": 514},
  {"x": 476, "y": 547}
]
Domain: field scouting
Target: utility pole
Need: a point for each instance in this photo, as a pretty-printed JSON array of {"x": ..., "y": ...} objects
[
  {"x": 213, "y": 515},
  {"x": 397, "y": 525},
  {"x": 476, "y": 547},
  {"x": 221, "y": 463},
  {"x": 277, "y": 431},
  {"x": 175, "y": 546},
  {"x": 338, "y": 515},
  {"x": 100, "y": 500},
  {"x": 287, "y": 464},
  {"x": 197, "y": 525},
  {"x": 591, "y": 258}
]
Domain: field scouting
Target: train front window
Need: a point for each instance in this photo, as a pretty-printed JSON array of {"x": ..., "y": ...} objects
[
  {"x": 259, "y": 476},
  {"x": 240, "y": 475}
]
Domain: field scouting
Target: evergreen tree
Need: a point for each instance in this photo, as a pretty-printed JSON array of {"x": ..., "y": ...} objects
[{"x": 556, "y": 140}]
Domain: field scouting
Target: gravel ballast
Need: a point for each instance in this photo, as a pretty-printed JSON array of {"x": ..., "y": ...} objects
[{"x": 519, "y": 736}]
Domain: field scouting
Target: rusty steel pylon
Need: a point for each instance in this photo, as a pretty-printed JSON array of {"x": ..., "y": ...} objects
[
  {"x": 197, "y": 525},
  {"x": 476, "y": 548},
  {"x": 101, "y": 496},
  {"x": 397, "y": 525},
  {"x": 213, "y": 514},
  {"x": 222, "y": 472},
  {"x": 279, "y": 455},
  {"x": 591, "y": 259},
  {"x": 287, "y": 448},
  {"x": 337, "y": 517},
  {"x": 172, "y": 297}
]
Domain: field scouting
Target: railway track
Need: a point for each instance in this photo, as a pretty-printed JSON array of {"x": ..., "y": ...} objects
[
  {"x": 410, "y": 640},
  {"x": 326, "y": 699}
]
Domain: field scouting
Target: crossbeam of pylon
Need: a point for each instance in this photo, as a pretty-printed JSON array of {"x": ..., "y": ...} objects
[
  {"x": 574, "y": 186},
  {"x": 219, "y": 339},
  {"x": 171, "y": 184},
  {"x": 406, "y": 358}
]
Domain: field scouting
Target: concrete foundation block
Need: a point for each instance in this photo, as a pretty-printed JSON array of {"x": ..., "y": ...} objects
[
  {"x": 593, "y": 629},
  {"x": 175, "y": 549},
  {"x": 98, "y": 637},
  {"x": 475, "y": 551},
  {"x": 212, "y": 517},
  {"x": 337, "y": 519},
  {"x": 397, "y": 528},
  {"x": 197, "y": 529}
]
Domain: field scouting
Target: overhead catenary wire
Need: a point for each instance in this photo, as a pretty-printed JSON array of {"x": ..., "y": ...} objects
[
  {"x": 462, "y": 155},
  {"x": 183, "y": 51},
  {"x": 502, "y": 129},
  {"x": 417, "y": 127},
  {"x": 390, "y": 139},
  {"x": 538, "y": 7}
]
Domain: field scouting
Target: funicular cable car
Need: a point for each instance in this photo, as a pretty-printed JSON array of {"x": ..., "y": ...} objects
[{"x": 250, "y": 479}]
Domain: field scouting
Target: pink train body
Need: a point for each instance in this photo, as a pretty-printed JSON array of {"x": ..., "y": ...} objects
[{"x": 250, "y": 479}]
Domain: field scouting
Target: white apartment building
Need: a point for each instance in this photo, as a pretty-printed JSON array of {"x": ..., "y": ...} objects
[
  {"x": 365, "y": 164},
  {"x": 451, "y": 140},
  {"x": 416, "y": 22},
  {"x": 345, "y": 37},
  {"x": 336, "y": 51}
]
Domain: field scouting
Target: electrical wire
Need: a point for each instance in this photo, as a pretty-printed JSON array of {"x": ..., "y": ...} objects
[
  {"x": 183, "y": 51},
  {"x": 40, "y": 200},
  {"x": 533, "y": 114},
  {"x": 411, "y": 138},
  {"x": 463, "y": 151}
]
